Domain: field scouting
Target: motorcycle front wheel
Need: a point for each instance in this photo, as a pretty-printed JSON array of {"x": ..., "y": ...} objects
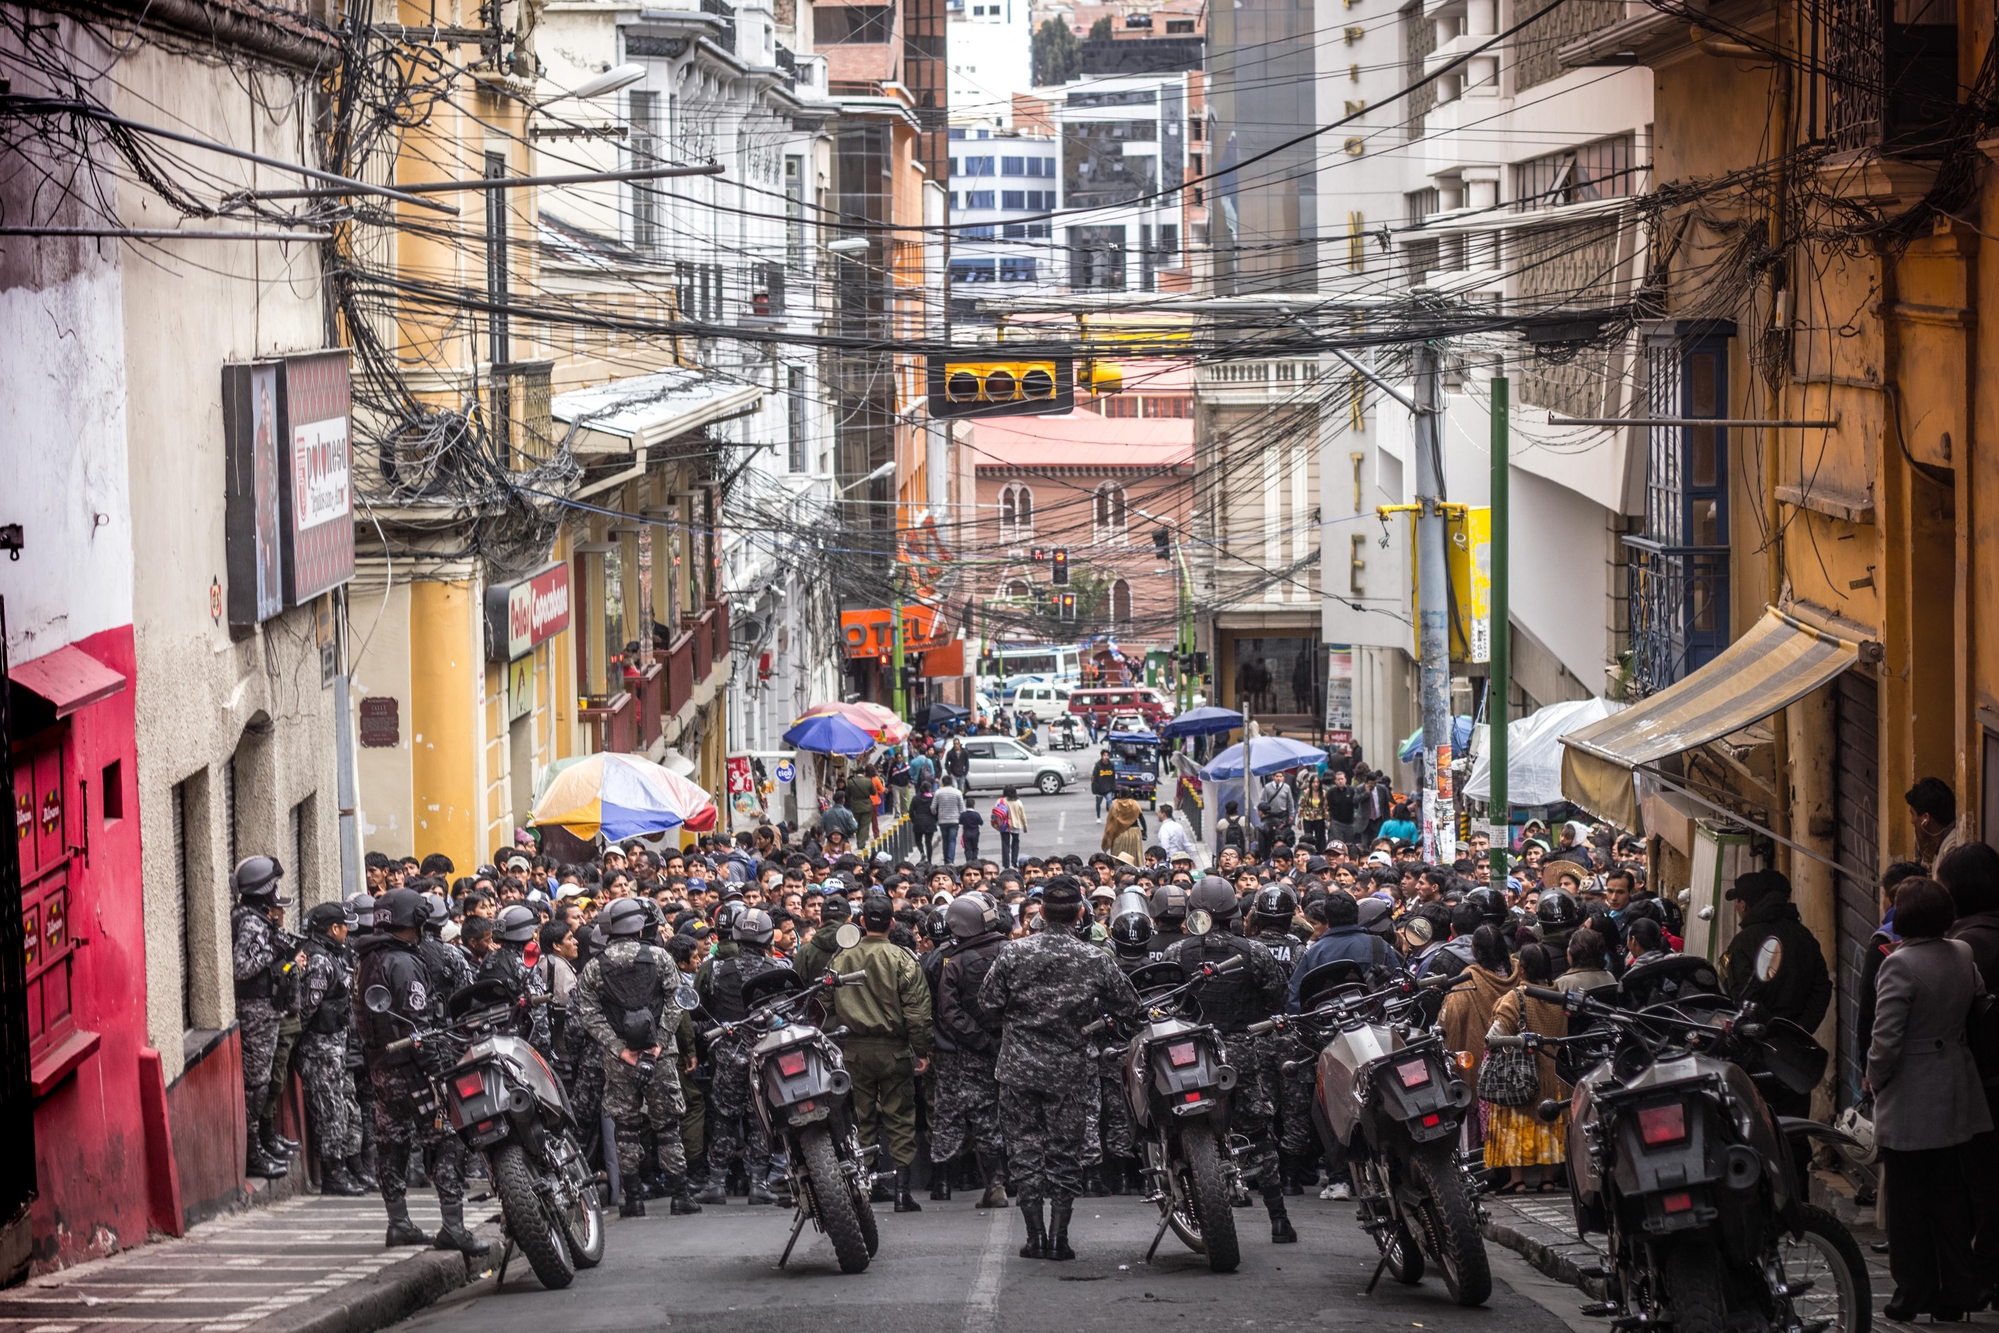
[
  {"x": 1840, "y": 1297},
  {"x": 1211, "y": 1197},
  {"x": 583, "y": 1222},
  {"x": 832, "y": 1202},
  {"x": 1452, "y": 1227},
  {"x": 528, "y": 1223}
]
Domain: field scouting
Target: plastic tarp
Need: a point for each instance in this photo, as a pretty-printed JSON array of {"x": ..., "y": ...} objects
[{"x": 1534, "y": 752}]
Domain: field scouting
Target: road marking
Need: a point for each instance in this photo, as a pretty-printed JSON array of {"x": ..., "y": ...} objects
[{"x": 982, "y": 1305}]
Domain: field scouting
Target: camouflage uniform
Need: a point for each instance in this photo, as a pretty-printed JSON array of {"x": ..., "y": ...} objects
[
  {"x": 326, "y": 1015},
  {"x": 1046, "y": 989},
  {"x": 1295, "y": 1135},
  {"x": 964, "y": 1111},
  {"x": 405, "y": 1106},
  {"x": 613, "y": 984},
  {"x": 1231, "y": 1003},
  {"x": 254, "y": 948},
  {"x": 734, "y": 1129}
]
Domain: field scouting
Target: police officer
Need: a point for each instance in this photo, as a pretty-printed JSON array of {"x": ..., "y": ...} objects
[
  {"x": 733, "y": 1125},
  {"x": 1131, "y": 930},
  {"x": 1774, "y": 959},
  {"x": 1271, "y": 912},
  {"x": 965, "y": 1105},
  {"x": 326, "y": 1014},
  {"x": 888, "y": 1039},
  {"x": 1045, "y": 990},
  {"x": 942, "y": 943},
  {"x": 508, "y": 963},
  {"x": 1231, "y": 1002},
  {"x": 1169, "y": 917},
  {"x": 1556, "y": 917},
  {"x": 361, "y": 909},
  {"x": 258, "y": 969},
  {"x": 624, "y": 1001},
  {"x": 388, "y": 958}
]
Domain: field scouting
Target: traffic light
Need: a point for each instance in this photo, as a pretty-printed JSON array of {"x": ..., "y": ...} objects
[
  {"x": 1060, "y": 573},
  {"x": 1038, "y": 554},
  {"x": 1102, "y": 377},
  {"x": 985, "y": 387},
  {"x": 1067, "y": 603},
  {"x": 1162, "y": 543}
]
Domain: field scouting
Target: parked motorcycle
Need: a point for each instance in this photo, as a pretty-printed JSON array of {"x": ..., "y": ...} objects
[
  {"x": 1390, "y": 1095},
  {"x": 504, "y": 1101},
  {"x": 1176, "y": 1080},
  {"x": 802, "y": 1095},
  {"x": 1675, "y": 1156}
]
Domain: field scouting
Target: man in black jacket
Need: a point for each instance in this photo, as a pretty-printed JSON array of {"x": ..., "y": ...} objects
[{"x": 1773, "y": 959}]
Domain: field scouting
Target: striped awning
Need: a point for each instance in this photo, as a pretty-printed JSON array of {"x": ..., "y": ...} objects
[{"x": 1775, "y": 664}]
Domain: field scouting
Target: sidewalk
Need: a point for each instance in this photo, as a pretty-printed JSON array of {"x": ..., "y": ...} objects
[{"x": 248, "y": 1273}]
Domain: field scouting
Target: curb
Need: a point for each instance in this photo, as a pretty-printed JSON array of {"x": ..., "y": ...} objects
[
  {"x": 1555, "y": 1260},
  {"x": 386, "y": 1297}
]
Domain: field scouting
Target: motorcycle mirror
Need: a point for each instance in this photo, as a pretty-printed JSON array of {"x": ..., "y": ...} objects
[
  {"x": 1549, "y": 1111},
  {"x": 377, "y": 999},
  {"x": 1769, "y": 958},
  {"x": 1198, "y": 922},
  {"x": 847, "y": 936},
  {"x": 687, "y": 998}
]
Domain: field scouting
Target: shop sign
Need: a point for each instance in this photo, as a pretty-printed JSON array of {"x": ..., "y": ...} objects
[
  {"x": 1339, "y": 694},
  {"x": 521, "y": 615},
  {"x": 319, "y": 499},
  {"x": 871, "y": 633}
]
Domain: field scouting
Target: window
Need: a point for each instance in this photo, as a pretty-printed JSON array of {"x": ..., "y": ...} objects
[
  {"x": 1679, "y": 568},
  {"x": 1018, "y": 590},
  {"x": 644, "y": 153},
  {"x": 1015, "y": 199},
  {"x": 1110, "y": 510},
  {"x": 497, "y": 341},
  {"x": 1016, "y": 512},
  {"x": 979, "y": 199},
  {"x": 978, "y": 166},
  {"x": 981, "y": 233},
  {"x": 794, "y": 404},
  {"x": 1013, "y": 166},
  {"x": 1600, "y": 170},
  {"x": 111, "y": 791},
  {"x": 836, "y": 24},
  {"x": 1096, "y": 258},
  {"x": 299, "y": 845},
  {"x": 1016, "y": 270},
  {"x": 957, "y": 132},
  {"x": 1420, "y": 204},
  {"x": 971, "y": 270},
  {"x": 1175, "y": 26},
  {"x": 1121, "y": 604}
]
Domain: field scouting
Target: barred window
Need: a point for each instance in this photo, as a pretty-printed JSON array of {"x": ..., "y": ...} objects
[{"x": 1601, "y": 170}]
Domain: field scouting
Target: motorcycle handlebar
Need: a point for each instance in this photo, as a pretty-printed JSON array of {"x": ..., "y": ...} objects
[
  {"x": 713, "y": 1035},
  {"x": 1258, "y": 1029},
  {"x": 1228, "y": 964},
  {"x": 398, "y": 1046},
  {"x": 1543, "y": 993},
  {"x": 1520, "y": 1041},
  {"x": 1442, "y": 981},
  {"x": 850, "y": 978},
  {"x": 1101, "y": 1025}
]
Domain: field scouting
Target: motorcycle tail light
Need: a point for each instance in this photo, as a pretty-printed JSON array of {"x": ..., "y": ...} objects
[
  {"x": 791, "y": 1064},
  {"x": 1465, "y": 1061},
  {"x": 1181, "y": 1053},
  {"x": 1414, "y": 1074},
  {"x": 1432, "y": 1120},
  {"x": 470, "y": 1085},
  {"x": 1193, "y": 1096},
  {"x": 1677, "y": 1203},
  {"x": 1660, "y": 1125}
]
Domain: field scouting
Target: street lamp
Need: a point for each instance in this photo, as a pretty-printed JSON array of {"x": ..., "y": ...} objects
[
  {"x": 610, "y": 81},
  {"x": 876, "y": 475},
  {"x": 848, "y": 245}
]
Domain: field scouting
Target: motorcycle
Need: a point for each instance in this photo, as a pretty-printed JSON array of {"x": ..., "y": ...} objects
[
  {"x": 1388, "y": 1093},
  {"x": 504, "y": 1101},
  {"x": 1176, "y": 1080},
  {"x": 801, "y": 1093},
  {"x": 1675, "y": 1156}
]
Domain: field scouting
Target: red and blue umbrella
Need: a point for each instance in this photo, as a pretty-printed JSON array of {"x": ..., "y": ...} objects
[
  {"x": 829, "y": 733},
  {"x": 623, "y": 796}
]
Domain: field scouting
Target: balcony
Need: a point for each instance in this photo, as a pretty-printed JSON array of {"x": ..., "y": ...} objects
[
  {"x": 652, "y": 695},
  {"x": 1679, "y": 619},
  {"x": 701, "y": 629},
  {"x": 614, "y": 724},
  {"x": 719, "y": 608},
  {"x": 519, "y": 404}
]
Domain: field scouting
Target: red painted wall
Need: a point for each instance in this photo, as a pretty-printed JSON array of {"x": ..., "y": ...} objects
[{"x": 90, "y": 1138}]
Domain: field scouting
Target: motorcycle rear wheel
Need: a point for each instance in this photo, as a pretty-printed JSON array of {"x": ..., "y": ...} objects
[
  {"x": 1455, "y": 1240},
  {"x": 832, "y": 1202},
  {"x": 582, "y": 1226},
  {"x": 1696, "y": 1300},
  {"x": 1405, "y": 1261},
  {"x": 537, "y": 1234},
  {"x": 1211, "y": 1197},
  {"x": 1830, "y": 1259}
]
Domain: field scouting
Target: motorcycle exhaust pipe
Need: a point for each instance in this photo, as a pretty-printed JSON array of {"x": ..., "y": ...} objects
[
  {"x": 840, "y": 1082},
  {"x": 1225, "y": 1078},
  {"x": 1745, "y": 1167}
]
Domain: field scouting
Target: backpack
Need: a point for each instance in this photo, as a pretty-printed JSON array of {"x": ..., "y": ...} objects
[{"x": 1002, "y": 816}]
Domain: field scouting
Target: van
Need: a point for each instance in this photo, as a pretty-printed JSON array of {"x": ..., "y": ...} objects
[
  {"x": 1098, "y": 705},
  {"x": 1041, "y": 701}
]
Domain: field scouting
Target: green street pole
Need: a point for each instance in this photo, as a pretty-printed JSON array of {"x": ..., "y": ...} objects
[
  {"x": 895, "y": 633},
  {"x": 1499, "y": 685}
]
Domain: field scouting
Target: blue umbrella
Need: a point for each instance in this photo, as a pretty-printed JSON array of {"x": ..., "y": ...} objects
[
  {"x": 1207, "y": 720},
  {"x": 828, "y": 733},
  {"x": 1270, "y": 754},
  {"x": 1460, "y": 740}
]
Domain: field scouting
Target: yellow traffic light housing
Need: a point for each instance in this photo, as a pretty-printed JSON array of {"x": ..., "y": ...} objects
[
  {"x": 1101, "y": 377},
  {"x": 987, "y": 387}
]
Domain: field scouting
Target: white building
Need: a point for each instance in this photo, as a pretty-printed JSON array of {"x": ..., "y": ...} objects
[
  {"x": 1003, "y": 191},
  {"x": 990, "y": 56},
  {"x": 1124, "y": 143}
]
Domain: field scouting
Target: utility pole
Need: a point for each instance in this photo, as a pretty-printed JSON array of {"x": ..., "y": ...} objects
[
  {"x": 1433, "y": 635},
  {"x": 1499, "y": 684}
]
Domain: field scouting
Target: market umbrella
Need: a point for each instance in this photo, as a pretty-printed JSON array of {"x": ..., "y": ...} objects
[
  {"x": 935, "y": 715},
  {"x": 829, "y": 733},
  {"x": 879, "y": 722},
  {"x": 1268, "y": 754},
  {"x": 1207, "y": 720},
  {"x": 1460, "y": 740},
  {"x": 622, "y": 796}
]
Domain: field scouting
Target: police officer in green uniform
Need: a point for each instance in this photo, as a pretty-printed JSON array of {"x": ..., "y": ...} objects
[{"x": 888, "y": 1039}]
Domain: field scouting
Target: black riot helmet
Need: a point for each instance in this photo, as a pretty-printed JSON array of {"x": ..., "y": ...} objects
[
  {"x": 753, "y": 926},
  {"x": 1491, "y": 906},
  {"x": 401, "y": 909},
  {"x": 255, "y": 881},
  {"x": 362, "y": 907},
  {"x": 877, "y": 911},
  {"x": 1557, "y": 912},
  {"x": 1274, "y": 906},
  {"x": 622, "y": 918},
  {"x": 1377, "y": 917},
  {"x": 517, "y": 924},
  {"x": 935, "y": 928},
  {"x": 439, "y": 913},
  {"x": 726, "y": 914},
  {"x": 1215, "y": 896},
  {"x": 971, "y": 914},
  {"x": 1131, "y": 920},
  {"x": 1169, "y": 904}
]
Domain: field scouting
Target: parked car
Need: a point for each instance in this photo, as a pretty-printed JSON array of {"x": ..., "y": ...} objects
[
  {"x": 1041, "y": 701},
  {"x": 997, "y": 762},
  {"x": 1100, "y": 704}
]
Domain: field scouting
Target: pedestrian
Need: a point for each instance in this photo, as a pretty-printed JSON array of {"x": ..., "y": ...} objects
[
  {"x": 1467, "y": 1012},
  {"x": 1970, "y": 874},
  {"x": 258, "y": 968},
  {"x": 1516, "y": 1138},
  {"x": 1234, "y": 829},
  {"x": 1103, "y": 782},
  {"x": 923, "y": 819},
  {"x": 1045, "y": 989},
  {"x": 1312, "y": 811},
  {"x": 958, "y": 764},
  {"x": 1933, "y": 815},
  {"x": 1122, "y": 837},
  {"x": 1009, "y": 820},
  {"x": 860, "y": 789},
  {"x": 887, "y": 1040},
  {"x": 949, "y": 804},
  {"x": 1928, "y": 1106},
  {"x": 1399, "y": 826},
  {"x": 970, "y": 821}
]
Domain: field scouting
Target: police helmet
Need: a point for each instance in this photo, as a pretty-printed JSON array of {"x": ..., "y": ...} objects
[
  {"x": 622, "y": 918},
  {"x": 1377, "y": 917},
  {"x": 440, "y": 912},
  {"x": 1275, "y": 904},
  {"x": 361, "y": 906},
  {"x": 517, "y": 924},
  {"x": 1169, "y": 904},
  {"x": 255, "y": 880},
  {"x": 877, "y": 911},
  {"x": 971, "y": 914},
  {"x": 1131, "y": 920},
  {"x": 935, "y": 928},
  {"x": 726, "y": 914},
  {"x": 1558, "y": 911},
  {"x": 834, "y": 910},
  {"x": 400, "y": 909},
  {"x": 328, "y": 915},
  {"x": 1491, "y": 905},
  {"x": 752, "y": 926},
  {"x": 1215, "y": 896}
]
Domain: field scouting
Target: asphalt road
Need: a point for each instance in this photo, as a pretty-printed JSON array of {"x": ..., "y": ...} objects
[
  {"x": 1059, "y": 825},
  {"x": 953, "y": 1268}
]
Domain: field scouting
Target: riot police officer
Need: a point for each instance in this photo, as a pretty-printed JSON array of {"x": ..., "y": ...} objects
[
  {"x": 1271, "y": 912},
  {"x": 733, "y": 1126},
  {"x": 965, "y": 1107},
  {"x": 1231, "y": 1002},
  {"x": 507, "y": 963},
  {"x": 258, "y": 969},
  {"x": 403, "y": 1100},
  {"x": 1131, "y": 930},
  {"x": 326, "y": 1014},
  {"x": 1169, "y": 916},
  {"x": 623, "y": 1001}
]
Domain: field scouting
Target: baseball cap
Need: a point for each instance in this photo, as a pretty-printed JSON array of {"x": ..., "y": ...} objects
[
  {"x": 1380, "y": 859},
  {"x": 1103, "y": 891}
]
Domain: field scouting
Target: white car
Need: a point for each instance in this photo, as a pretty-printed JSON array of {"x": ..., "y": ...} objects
[{"x": 995, "y": 762}]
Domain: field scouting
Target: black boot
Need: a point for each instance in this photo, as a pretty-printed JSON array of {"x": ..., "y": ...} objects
[
  {"x": 1095, "y": 1186},
  {"x": 258, "y": 1161},
  {"x": 905, "y": 1202},
  {"x": 940, "y": 1182},
  {"x": 1114, "y": 1174},
  {"x": 402, "y": 1231},
  {"x": 681, "y": 1196},
  {"x": 453, "y": 1235},
  {"x": 278, "y": 1144},
  {"x": 1037, "y": 1237},
  {"x": 334, "y": 1180},
  {"x": 1287, "y": 1170},
  {"x": 884, "y": 1188},
  {"x": 707, "y": 1184},
  {"x": 992, "y": 1169},
  {"x": 630, "y": 1204},
  {"x": 357, "y": 1167},
  {"x": 1281, "y": 1230},
  {"x": 1058, "y": 1229}
]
